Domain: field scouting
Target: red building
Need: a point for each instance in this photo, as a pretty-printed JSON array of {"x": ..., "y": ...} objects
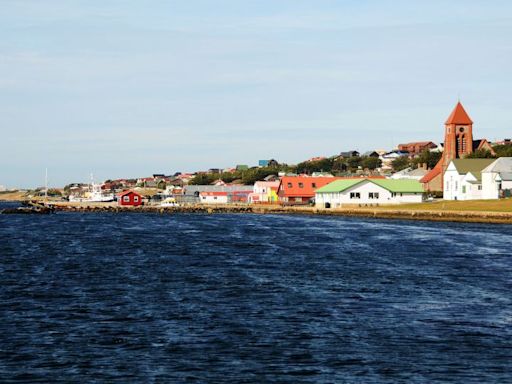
[
  {"x": 417, "y": 147},
  {"x": 458, "y": 142},
  {"x": 129, "y": 198}
]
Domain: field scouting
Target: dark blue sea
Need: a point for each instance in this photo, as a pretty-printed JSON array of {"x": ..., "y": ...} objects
[{"x": 191, "y": 298}]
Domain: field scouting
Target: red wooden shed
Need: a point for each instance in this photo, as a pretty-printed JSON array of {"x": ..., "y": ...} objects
[{"x": 129, "y": 198}]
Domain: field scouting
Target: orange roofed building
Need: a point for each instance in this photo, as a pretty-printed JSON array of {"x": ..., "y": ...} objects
[
  {"x": 299, "y": 190},
  {"x": 458, "y": 143}
]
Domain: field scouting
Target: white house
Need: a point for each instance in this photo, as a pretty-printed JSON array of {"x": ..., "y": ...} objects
[
  {"x": 264, "y": 192},
  {"x": 497, "y": 179},
  {"x": 368, "y": 191},
  {"x": 213, "y": 197},
  {"x": 463, "y": 179}
]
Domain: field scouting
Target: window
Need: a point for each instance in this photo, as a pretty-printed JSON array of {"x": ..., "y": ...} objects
[
  {"x": 479, "y": 187},
  {"x": 373, "y": 195},
  {"x": 313, "y": 185},
  {"x": 126, "y": 199},
  {"x": 355, "y": 195},
  {"x": 289, "y": 185},
  {"x": 463, "y": 189},
  {"x": 135, "y": 199},
  {"x": 456, "y": 185},
  {"x": 301, "y": 185},
  {"x": 214, "y": 197}
]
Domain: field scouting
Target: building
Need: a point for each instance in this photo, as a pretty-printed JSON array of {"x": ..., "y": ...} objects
[
  {"x": 264, "y": 192},
  {"x": 368, "y": 192},
  {"x": 213, "y": 197},
  {"x": 458, "y": 143},
  {"x": 497, "y": 179},
  {"x": 191, "y": 194},
  {"x": 463, "y": 179},
  {"x": 129, "y": 198},
  {"x": 347, "y": 154},
  {"x": 300, "y": 189},
  {"x": 388, "y": 158},
  {"x": 2, "y": 188},
  {"x": 415, "y": 148},
  {"x": 410, "y": 174}
]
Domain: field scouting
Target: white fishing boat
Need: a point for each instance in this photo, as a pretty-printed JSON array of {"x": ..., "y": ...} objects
[{"x": 95, "y": 194}]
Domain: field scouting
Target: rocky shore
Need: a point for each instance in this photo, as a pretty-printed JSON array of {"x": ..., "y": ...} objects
[{"x": 389, "y": 213}]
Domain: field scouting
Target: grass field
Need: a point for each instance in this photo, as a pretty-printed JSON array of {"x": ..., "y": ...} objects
[{"x": 502, "y": 205}]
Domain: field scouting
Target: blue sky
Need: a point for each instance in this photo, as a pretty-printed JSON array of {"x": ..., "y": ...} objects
[{"x": 131, "y": 88}]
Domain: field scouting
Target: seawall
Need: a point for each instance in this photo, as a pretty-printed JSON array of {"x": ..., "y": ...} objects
[{"x": 388, "y": 213}]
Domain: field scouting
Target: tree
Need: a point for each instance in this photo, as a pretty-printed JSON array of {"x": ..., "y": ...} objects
[
  {"x": 371, "y": 162},
  {"x": 400, "y": 163},
  {"x": 503, "y": 150},
  {"x": 354, "y": 163},
  {"x": 203, "y": 179},
  {"x": 480, "y": 154},
  {"x": 427, "y": 157}
]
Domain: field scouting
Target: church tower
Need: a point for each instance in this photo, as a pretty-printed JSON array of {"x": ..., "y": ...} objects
[
  {"x": 458, "y": 135},
  {"x": 458, "y": 142}
]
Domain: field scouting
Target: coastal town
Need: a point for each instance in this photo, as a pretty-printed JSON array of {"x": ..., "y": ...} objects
[{"x": 460, "y": 168}]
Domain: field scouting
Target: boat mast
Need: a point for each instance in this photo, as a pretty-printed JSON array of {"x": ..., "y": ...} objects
[{"x": 46, "y": 185}]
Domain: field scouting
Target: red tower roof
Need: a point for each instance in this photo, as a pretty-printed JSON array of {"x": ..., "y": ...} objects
[{"x": 459, "y": 116}]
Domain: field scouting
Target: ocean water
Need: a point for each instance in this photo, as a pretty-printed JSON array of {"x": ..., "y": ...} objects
[{"x": 253, "y": 299}]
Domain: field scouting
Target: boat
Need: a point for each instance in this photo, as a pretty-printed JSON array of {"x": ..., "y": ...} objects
[{"x": 169, "y": 202}]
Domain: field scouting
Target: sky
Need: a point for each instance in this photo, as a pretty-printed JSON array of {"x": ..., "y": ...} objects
[{"x": 132, "y": 88}]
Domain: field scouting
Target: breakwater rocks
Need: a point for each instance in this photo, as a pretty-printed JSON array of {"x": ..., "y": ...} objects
[{"x": 387, "y": 213}]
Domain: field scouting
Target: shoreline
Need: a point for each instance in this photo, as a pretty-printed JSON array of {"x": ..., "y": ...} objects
[{"x": 484, "y": 217}]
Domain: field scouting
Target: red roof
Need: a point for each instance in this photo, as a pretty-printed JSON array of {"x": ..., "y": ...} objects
[
  {"x": 434, "y": 172},
  {"x": 213, "y": 193},
  {"x": 459, "y": 116},
  {"x": 128, "y": 192}
]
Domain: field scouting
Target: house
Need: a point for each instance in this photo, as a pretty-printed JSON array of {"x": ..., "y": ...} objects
[
  {"x": 264, "y": 192},
  {"x": 463, "y": 179},
  {"x": 415, "y": 148},
  {"x": 347, "y": 154},
  {"x": 191, "y": 194},
  {"x": 497, "y": 179},
  {"x": 368, "y": 191},
  {"x": 388, "y": 158},
  {"x": 300, "y": 189},
  {"x": 316, "y": 158},
  {"x": 371, "y": 154},
  {"x": 410, "y": 174},
  {"x": 213, "y": 197},
  {"x": 129, "y": 198}
]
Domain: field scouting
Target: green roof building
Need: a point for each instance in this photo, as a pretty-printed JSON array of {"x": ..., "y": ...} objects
[{"x": 368, "y": 192}]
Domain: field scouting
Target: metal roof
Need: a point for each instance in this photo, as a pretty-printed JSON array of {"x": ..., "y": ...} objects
[{"x": 396, "y": 186}]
